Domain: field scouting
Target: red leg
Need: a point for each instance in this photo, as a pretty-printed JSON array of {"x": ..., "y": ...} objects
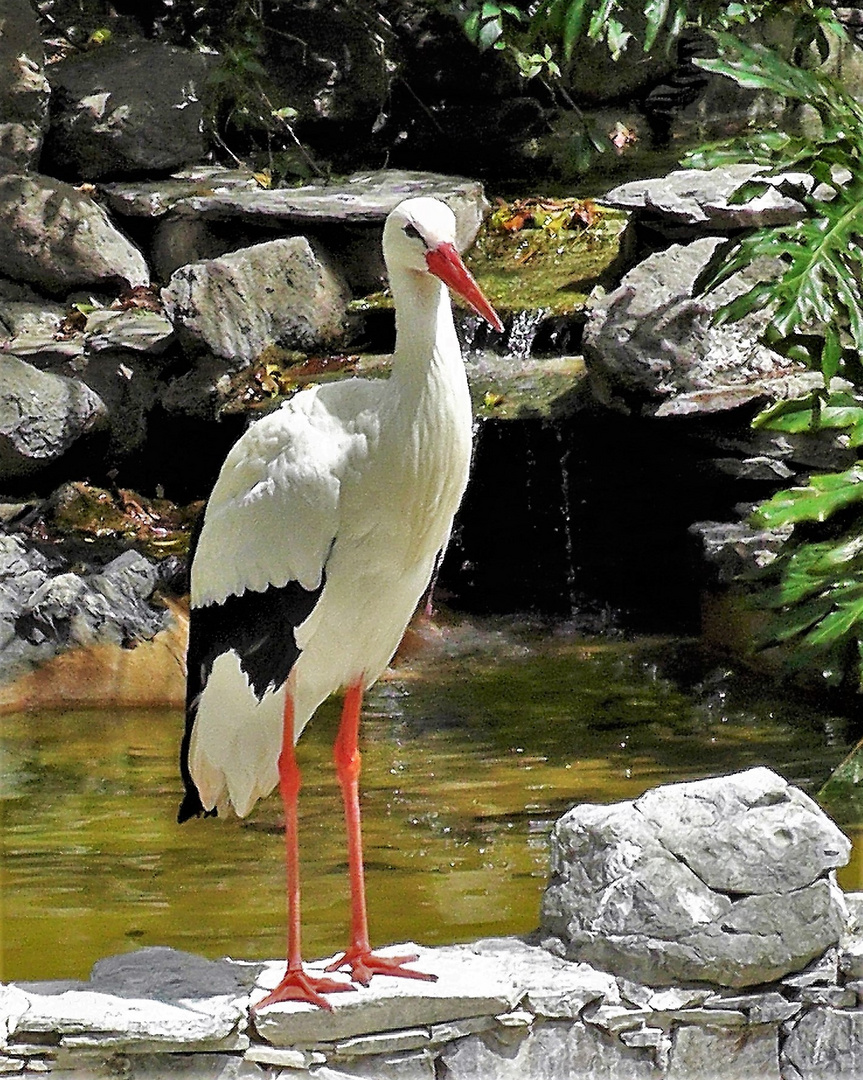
[
  {"x": 359, "y": 957},
  {"x": 296, "y": 985}
]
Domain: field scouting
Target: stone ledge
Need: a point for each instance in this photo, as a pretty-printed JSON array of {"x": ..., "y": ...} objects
[{"x": 502, "y": 1009}]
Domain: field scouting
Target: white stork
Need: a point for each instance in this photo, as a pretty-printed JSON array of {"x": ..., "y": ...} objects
[{"x": 320, "y": 536}]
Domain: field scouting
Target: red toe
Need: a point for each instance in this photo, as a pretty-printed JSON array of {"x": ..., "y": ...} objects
[
  {"x": 363, "y": 963},
  {"x": 298, "y": 986}
]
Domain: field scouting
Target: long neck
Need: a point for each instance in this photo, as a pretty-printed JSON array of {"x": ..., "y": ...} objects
[{"x": 425, "y": 333}]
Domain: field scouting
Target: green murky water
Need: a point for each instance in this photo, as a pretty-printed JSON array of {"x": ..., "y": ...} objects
[{"x": 470, "y": 753}]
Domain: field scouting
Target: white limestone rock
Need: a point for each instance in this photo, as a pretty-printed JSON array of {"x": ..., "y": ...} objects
[
  {"x": 550, "y": 1051},
  {"x": 41, "y": 416},
  {"x": 468, "y": 985},
  {"x": 750, "y": 833},
  {"x": 59, "y": 239},
  {"x": 551, "y": 987},
  {"x": 87, "y": 1019},
  {"x": 701, "y": 197},
  {"x": 704, "y": 1053},
  {"x": 653, "y": 890},
  {"x": 826, "y": 1044},
  {"x": 283, "y": 292}
]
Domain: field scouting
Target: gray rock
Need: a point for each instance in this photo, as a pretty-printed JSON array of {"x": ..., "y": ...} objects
[
  {"x": 59, "y": 239},
  {"x": 748, "y": 833},
  {"x": 135, "y": 330},
  {"x": 180, "y": 239},
  {"x": 41, "y": 416},
  {"x": 765, "y": 1008},
  {"x": 24, "y": 90},
  {"x": 283, "y": 292},
  {"x": 468, "y": 985},
  {"x": 126, "y": 108},
  {"x": 701, "y": 197},
  {"x": 112, "y": 605},
  {"x": 733, "y": 548},
  {"x": 703, "y": 1053},
  {"x": 154, "y": 198},
  {"x": 362, "y": 198},
  {"x": 166, "y": 974},
  {"x": 851, "y": 943},
  {"x": 207, "y": 212},
  {"x": 23, "y": 312},
  {"x": 650, "y": 344},
  {"x": 552, "y": 1051},
  {"x": 655, "y": 890},
  {"x": 826, "y": 1044},
  {"x": 126, "y": 383}
]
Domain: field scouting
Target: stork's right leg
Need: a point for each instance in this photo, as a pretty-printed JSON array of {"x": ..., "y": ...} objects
[{"x": 296, "y": 985}]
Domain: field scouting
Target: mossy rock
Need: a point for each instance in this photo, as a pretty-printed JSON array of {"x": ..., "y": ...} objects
[{"x": 548, "y": 254}]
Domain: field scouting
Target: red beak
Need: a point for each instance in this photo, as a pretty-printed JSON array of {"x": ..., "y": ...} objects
[{"x": 445, "y": 262}]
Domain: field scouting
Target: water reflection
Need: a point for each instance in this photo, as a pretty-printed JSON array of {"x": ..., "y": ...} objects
[{"x": 470, "y": 752}]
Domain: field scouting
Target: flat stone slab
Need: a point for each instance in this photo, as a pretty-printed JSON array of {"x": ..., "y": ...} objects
[
  {"x": 88, "y": 1019},
  {"x": 702, "y": 197},
  {"x": 468, "y": 985},
  {"x": 361, "y": 198}
]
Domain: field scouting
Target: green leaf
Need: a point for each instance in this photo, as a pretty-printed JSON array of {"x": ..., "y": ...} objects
[
  {"x": 831, "y": 353},
  {"x": 656, "y": 12},
  {"x": 824, "y": 495},
  {"x": 598, "y": 20},
  {"x": 838, "y": 623},
  {"x": 572, "y": 25},
  {"x": 789, "y": 624},
  {"x": 617, "y": 37},
  {"x": 471, "y": 26}
]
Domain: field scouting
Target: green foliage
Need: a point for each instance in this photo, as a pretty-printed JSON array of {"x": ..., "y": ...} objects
[
  {"x": 815, "y": 594},
  {"x": 548, "y": 32},
  {"x": 247, "y": 117},
  {"x": 814, "y": 590}
]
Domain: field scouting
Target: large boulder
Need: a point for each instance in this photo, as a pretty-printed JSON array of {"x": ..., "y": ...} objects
[
  {"x": 41, "y": 416},
  {"x": 729, "y": 881},
  {"x": 283, "y": 292},
  {"x": 651, "y": 345},
  {"x": 125, "y": 109},
  {"x": 24, "y": 90},
  {"x": 58, "y": 239}
]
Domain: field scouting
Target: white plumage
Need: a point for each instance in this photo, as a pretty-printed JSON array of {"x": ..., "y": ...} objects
[{"x": 351, "y": 486}]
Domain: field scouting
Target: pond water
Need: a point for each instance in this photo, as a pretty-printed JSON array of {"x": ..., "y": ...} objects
[{"x": 471, "y": 750}]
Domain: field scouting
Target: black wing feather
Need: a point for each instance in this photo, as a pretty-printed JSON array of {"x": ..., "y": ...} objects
[{"x": 260, "y": 628}]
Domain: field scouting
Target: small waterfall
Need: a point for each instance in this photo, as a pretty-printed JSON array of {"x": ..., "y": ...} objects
[
  {"x": 569, "y": 547},
  {"x": 522, "y": 331},
  {"x": 479, "y": 341}
]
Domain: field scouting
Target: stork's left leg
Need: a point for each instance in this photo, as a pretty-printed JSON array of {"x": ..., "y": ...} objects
[
  {"x": 297, "y": 984},
  {"x": 359, "y": 957}
]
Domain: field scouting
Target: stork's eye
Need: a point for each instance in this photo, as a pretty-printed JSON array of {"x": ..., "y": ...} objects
[{"x": 413, "y": 232}]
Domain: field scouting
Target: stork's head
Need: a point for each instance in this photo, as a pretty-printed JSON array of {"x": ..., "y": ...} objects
[{"x": 419, "y": 237}]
